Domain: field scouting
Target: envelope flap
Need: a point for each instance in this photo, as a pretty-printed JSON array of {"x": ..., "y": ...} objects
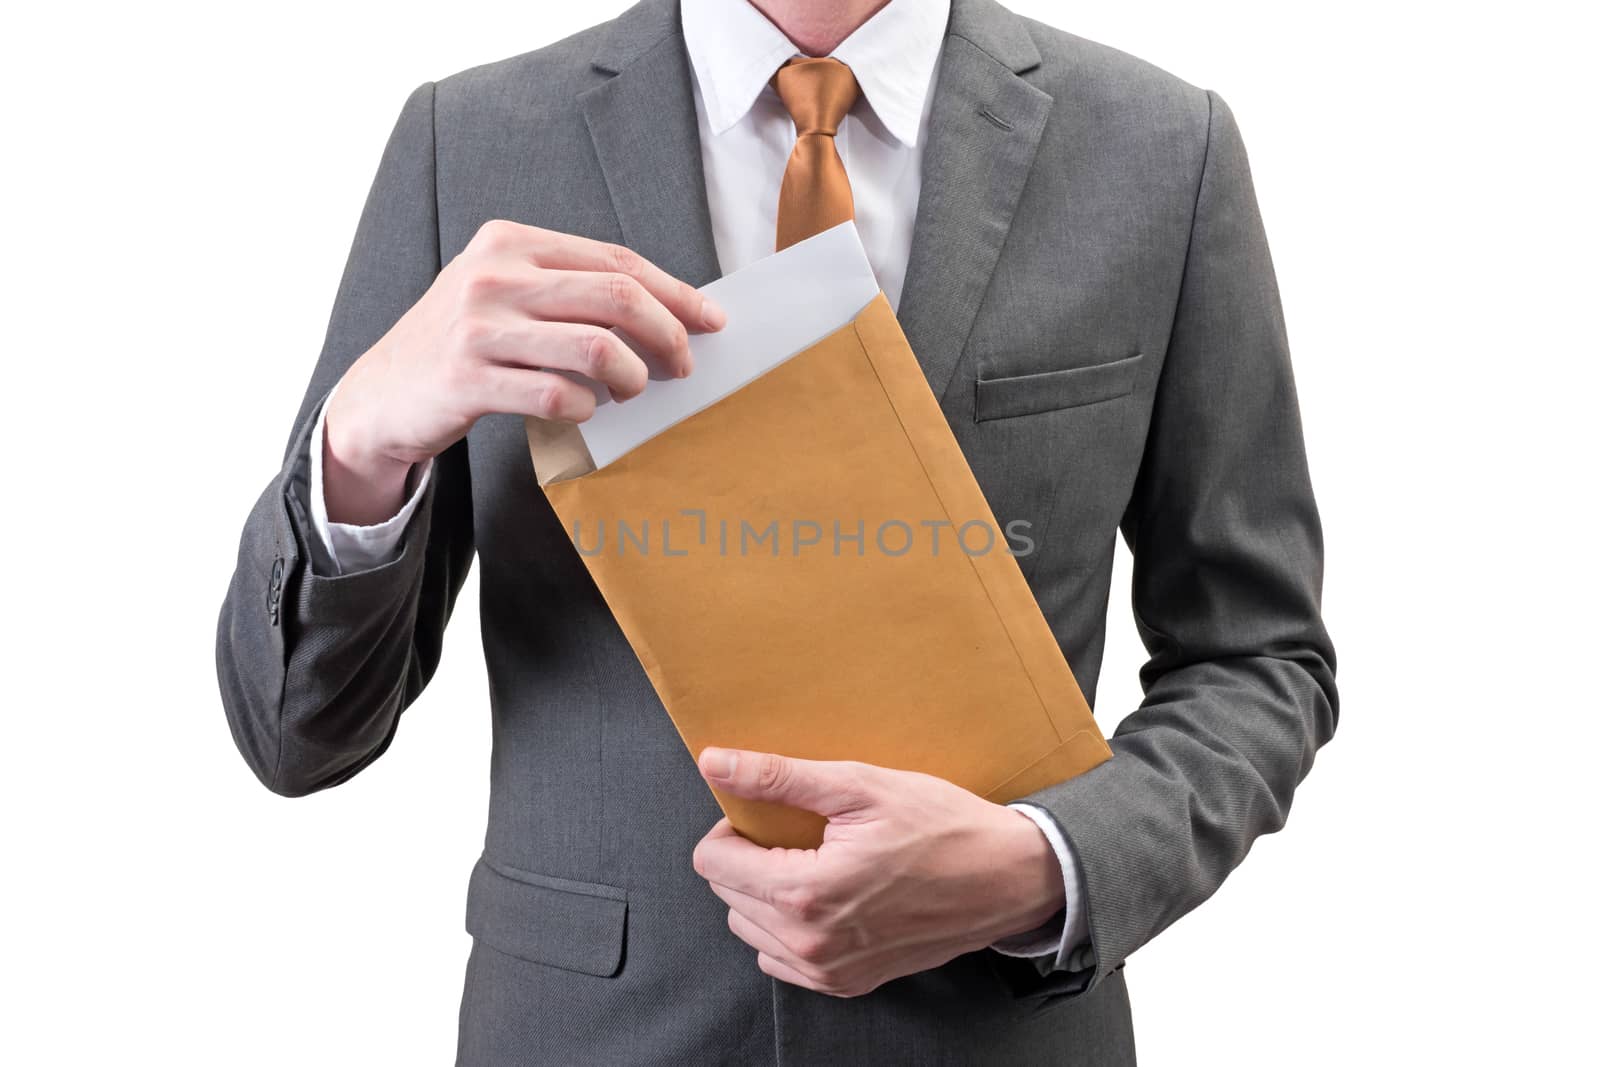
[{"x": 557, "y": 449}]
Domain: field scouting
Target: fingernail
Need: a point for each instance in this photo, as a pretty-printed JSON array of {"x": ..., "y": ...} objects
[
  {"x": 712, "y": 316},
  {"x": 718, "y": 763}
]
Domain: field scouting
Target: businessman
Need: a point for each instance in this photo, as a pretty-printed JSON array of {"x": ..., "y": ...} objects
[{"x": 1071, "y": 242}]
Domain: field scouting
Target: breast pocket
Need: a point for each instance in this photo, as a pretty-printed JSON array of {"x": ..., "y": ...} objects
[{"x": 1055, "y": 390}]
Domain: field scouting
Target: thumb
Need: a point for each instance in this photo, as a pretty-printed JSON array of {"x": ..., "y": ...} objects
[{"x": 827, "y": 787}]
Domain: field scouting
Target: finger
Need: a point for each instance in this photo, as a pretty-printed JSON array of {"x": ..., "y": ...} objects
[
  {"x": 609, "y": 299},
  {"x": 783, "y": 972},
  {"x": 517, "y": 391},
  {"x": 569, "y": 252},
  {"x": 764, "y": 942},
  {"x": 592, "y": 351},
  {"x": 826, "y": 787},
  {"x": 734, "y": 861},
  {"x": 755, "y": 909},
  {"x": 723, "y": 828}
]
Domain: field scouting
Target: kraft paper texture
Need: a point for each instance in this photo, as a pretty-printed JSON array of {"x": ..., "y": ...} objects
[{"x": 837, "y": 649}]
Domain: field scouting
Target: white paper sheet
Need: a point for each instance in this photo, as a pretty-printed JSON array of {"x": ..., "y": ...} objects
[{"x": 777, "y": 307}]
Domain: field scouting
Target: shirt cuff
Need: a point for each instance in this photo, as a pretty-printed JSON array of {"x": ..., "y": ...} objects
[
  {"x": 1064, "y": 935},
  {"x": 350, "y": 548}
]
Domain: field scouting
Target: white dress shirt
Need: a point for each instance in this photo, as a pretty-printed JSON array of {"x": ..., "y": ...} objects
[{"x": 746, "y": 136}]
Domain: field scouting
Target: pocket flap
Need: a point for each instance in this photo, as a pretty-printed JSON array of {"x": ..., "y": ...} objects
[
  {"x": 577, "y": 926},
  {"x": 1054, "y": 390}
]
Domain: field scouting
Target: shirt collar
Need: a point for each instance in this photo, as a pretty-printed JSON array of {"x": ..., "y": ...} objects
[{"x": 734, "y": 51}]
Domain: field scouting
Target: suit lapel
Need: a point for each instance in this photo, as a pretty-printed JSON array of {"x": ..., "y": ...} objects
[
  {"x": 983, "y": 132},
  {"x": 642, "y": 123}
]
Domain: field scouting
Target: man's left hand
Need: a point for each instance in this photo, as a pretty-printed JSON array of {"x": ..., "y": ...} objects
[{"x": 912, "y": 872}]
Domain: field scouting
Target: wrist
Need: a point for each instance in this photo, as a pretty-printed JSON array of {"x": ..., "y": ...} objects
[
  {"x": 1033, "y": 873},
  {"x": 361, "y": 484}
]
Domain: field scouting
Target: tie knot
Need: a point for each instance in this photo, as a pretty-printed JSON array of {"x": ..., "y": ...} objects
[{"x": 817, "y": 92}]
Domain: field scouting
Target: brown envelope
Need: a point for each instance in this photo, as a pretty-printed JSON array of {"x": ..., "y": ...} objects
[{"x": 727, "y": 549}]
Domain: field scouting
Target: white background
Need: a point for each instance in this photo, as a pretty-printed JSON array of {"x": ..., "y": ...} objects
[{"x": 181, "y": 182}]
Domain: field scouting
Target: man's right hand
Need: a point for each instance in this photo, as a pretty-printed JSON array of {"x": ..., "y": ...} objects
[{"x": 517, "y": 302}]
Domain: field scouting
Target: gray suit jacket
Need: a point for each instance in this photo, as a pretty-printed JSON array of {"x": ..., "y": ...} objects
[{"x": 1091, "y": 297}]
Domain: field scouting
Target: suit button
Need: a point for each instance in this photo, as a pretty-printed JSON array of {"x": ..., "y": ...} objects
[{"x": 275, "y": 589}]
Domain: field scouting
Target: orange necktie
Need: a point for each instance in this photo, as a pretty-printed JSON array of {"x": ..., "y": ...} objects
[{"x": 816, "y": 191}]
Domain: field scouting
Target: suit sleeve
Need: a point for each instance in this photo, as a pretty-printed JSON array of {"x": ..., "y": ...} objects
[
  {"x": 316, "y": 667},
  {"x": 1227, "y": 549}
]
